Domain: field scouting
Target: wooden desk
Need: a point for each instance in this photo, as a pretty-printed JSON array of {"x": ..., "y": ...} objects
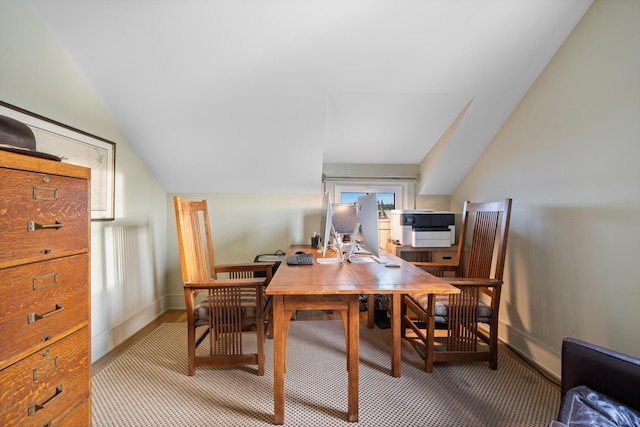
[{"x": 337, "y": 287}]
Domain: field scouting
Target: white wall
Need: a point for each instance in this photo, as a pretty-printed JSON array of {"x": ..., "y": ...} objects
[
  {"x": 37, "y": 75},
  {"x": 569, "y": 156}
]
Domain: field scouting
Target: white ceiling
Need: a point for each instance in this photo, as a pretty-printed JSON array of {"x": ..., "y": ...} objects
[{"x": 253, "y": 96}]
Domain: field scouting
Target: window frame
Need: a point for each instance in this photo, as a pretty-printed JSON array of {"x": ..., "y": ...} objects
[
  {"x": 404, "y": 191},
  {"x": 396, "y": 190}
]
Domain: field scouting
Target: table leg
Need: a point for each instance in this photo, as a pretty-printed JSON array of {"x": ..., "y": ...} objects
[
  {"x": 279, "y": 358},
  {"x": 371, "y": 309},
  {"x": 353, "y": 357},
  {"x": 396, "y": 323}
]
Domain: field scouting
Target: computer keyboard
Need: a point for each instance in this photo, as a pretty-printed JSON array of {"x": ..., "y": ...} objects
[{"x": 300, "y": 259}]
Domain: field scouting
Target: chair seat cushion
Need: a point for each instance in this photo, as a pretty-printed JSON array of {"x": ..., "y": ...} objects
[
  {"x": 583, "y": 406},
  {"x": 248, "y": 307},
  {"x": 442, "y": 307}
]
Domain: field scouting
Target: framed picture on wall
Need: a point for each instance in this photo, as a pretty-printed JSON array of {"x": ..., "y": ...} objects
[{"x": 76, "y": 147}]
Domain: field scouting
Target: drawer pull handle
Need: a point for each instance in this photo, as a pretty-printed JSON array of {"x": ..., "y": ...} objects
[
  {"x": 34, "y": 317},
  {"x": 35, "y": 407},
  {"x": 33, "y": 226}
]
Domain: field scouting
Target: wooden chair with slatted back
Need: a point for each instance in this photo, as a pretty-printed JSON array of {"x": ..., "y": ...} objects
[
  {"x": 447, "y": 325},
  {"x": 223, "y": 302}
]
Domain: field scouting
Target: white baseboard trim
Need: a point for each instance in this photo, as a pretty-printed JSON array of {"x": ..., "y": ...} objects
[
  {"x": 532, "y": 350},
  {"x": 105, "y": 341}
]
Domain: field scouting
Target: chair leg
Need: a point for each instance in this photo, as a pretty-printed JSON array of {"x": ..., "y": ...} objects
[
  {"x": 493, "y": 345},
  {"x": 268, "y": 314},
  {"x": 191, "y": 333},
  {"x": 403, "y": 313},
  {"x": 428, "y": 360},
  {"x": 191, "y": 349},
  {"x": 260, "y": 329},
  {"x": 430, "y": 341}
]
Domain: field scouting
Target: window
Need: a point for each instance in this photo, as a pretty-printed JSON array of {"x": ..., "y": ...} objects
[
  {"x": 394, "y": 185},
  {"x": 390, "y": 196},
  {"x": 386, "y": 201}
]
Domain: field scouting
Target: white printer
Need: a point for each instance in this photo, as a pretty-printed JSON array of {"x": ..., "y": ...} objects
[{"x": 422, "y": 228}]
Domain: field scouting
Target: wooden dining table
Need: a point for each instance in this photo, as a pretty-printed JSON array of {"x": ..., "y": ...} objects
[{"x": 338, "y": 287}]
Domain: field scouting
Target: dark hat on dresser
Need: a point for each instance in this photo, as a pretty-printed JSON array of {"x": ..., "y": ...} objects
[{"x": 17, "y": 137}]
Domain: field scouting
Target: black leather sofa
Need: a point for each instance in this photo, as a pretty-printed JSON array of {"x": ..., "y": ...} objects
[{"x": 599, "y": 387}]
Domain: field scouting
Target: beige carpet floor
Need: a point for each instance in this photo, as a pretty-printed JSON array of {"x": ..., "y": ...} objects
[{"x": 148, "y": 386}]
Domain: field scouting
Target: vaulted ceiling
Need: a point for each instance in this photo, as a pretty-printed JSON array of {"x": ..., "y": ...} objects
[{"x": 254, "y": 96}]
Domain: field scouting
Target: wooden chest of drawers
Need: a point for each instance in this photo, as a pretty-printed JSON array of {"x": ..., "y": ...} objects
[{"x": 45, "y": 363}]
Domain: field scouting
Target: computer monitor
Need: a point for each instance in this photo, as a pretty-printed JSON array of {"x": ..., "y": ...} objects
[
  {"x": 328, "y": 233},
  {"x": 344, "y": 219},
  {"x": 326, "y": 223},
  {"x": 367, "y": 216}
]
